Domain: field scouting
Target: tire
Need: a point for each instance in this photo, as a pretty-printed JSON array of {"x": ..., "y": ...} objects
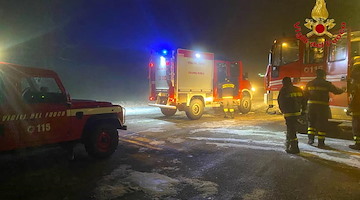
[
  {"x": 195, "y": 110},
  {"x": 168, "y": 112},
  {"x": 102, "y": 141},
  {"x": 245, "y": 105}
]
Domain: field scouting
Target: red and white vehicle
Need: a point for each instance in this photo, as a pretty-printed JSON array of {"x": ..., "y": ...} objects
[
  {"x": 35, "y": 110},
  {"x": 188, "y": 81},
  {"x": 293, "y": 58}
]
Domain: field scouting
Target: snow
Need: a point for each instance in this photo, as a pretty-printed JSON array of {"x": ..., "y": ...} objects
[
  {"x": 154, "y": 183},
  {"x": 124, "y": 180},
  {"x": 337, "y": 152}
]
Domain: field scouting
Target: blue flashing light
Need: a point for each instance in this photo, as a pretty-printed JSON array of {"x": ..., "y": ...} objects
[
  {"x": 164, "y": 52},
  {"x": 162, "y": 61}
]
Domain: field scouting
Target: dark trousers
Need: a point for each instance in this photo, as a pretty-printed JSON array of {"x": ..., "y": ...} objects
[
  {"x": 356, "y": 128},
  {"x": 318, "y": 120},
  {"x": 291, "y": 123}
]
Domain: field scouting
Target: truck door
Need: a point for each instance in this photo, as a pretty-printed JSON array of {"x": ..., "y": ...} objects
[
  {"x": 236, "y": 77},
  {"x": 219, "y": 77},
  {"x": 9, "y": 131},
  {"x": 44, "y": 103},
  {"x": 337, "y": 70}
]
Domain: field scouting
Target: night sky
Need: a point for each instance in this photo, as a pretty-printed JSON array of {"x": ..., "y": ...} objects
[{"x": 101, "y": 48}]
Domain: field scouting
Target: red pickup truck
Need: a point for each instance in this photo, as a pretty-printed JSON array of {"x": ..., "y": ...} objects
[{"x": 35, "y": 110}]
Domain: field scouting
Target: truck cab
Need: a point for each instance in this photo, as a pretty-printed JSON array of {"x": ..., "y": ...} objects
[{"x": 36, "y": 110}]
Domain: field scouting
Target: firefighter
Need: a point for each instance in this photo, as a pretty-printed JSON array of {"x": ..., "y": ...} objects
[
  {"x": 292, "y": 104},
  {"x": 227, "y": 96},
  {"x": 317, "y": 93},
  {"x": 354, "y": 106}
]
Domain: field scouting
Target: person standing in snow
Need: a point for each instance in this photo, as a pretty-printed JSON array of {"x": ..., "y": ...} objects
[{"x": 292, "y": 104}]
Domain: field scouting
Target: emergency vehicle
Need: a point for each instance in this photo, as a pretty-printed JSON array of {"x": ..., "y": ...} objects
[
  {"x": 35, "y": 110},
  {"x": 188, "y": 80},
  {"x": 299, "y": 60}
]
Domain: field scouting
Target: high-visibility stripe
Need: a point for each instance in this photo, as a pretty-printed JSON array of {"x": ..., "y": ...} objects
[
  {"x": 93, "y": 111},
  {"x": 311, "y": 88},
  {"x": 318, "y": 102},
  {"x": 227, "y": 97},
  {"x": 228, "y": 85},
  {"x": 311, "y": 129},
  {"x": 296, "y": 94},
  {"x": 357, "y": 139},
  {"x": 311, "y": 132},
  {"x": 231, "y": 110},
  {"x": 295, "y": 139},
  {"x": 321, "y": 137},
  {"x": 226, "y": 110},
  {"x": 292, "y": 114},
  {"x": 321, "y": 133}
]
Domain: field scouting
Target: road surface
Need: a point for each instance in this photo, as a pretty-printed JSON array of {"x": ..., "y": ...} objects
[{"x": 176, "y": 158}]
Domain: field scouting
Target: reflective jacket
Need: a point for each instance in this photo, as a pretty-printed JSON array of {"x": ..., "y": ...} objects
[
  {"x": 317, "y": 91},
  {"x": 227, "y": 90},
  {"x": 354, "y": 104},
  {"x": 291, "y": 101}
]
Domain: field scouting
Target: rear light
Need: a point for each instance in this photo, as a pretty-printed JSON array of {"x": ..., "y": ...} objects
[
  {"x": 171, "y": 100},
  {"x": 151, "y": 64},
  {"x": 152, "y": 98}
]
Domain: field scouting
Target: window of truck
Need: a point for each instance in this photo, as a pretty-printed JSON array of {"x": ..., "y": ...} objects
[
  {"x": 290, "y": 52},
  {"x": 338, "y": 50},
  {"x": 313, "y": 54},
  {"x": 41, "y": 90}
]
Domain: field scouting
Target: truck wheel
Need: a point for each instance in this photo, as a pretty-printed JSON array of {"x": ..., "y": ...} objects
[
  {"x": 102, "y": 141},
  {"x": 245, "y": 105},
  {"x": 168, "y": 112},
  {"x": 195, "y": 110}
]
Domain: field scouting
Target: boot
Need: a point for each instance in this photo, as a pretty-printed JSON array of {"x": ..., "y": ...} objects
[
  {"x": 311, "y": 139},
  {"x": 321, "y": 143},
  {"x": 232, "y": 115},
  {"x": 226, "y": 115},
  {"x": 355, "y": 146},
  {"x": 294, "y": 148}
]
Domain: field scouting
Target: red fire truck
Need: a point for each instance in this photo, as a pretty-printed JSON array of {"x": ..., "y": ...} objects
[
  {"x": 299, "y": 60},
  {"x": 35, "y": 110},
  {"x": 188, "y": 80}
]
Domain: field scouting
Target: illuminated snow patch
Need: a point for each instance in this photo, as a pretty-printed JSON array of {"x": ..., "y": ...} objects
[
  {"x": 249, "y": 141},
  {"x": 142, "y": 110},
  {"x": 352, "y": 160},
  {"x": 240, "y": 132},
  {"x": 154, "y": 130},
  {"x": 157, "y": 142},
  {"x": 175, "y": 140},
  {"x": 154, "y": 183},
  {"x": 124, "y": 180},
  {"x": 246, "y": 146}
]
